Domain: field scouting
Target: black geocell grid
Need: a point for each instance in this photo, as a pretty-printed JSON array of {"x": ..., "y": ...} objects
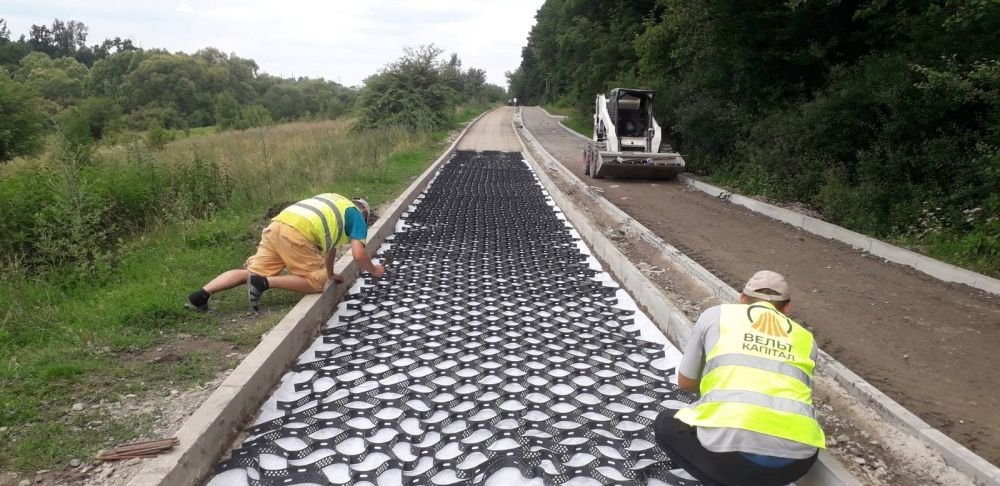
[{"x": 491, "y": 338}]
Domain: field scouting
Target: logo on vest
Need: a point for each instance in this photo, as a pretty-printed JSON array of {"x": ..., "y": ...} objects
[{"x": 768, "y": 324}]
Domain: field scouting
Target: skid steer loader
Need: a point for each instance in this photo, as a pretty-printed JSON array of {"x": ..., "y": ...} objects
[{"x": 627, "y": 141}]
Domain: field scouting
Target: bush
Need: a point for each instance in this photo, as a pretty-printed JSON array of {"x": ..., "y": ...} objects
[
  {"x": 136, "y": 187},
  {"x": 22, "y": 119},
  {"x": 165, "y": 117},
  {"x": 410, "y": 92},
  {"x": 227, "y": 111},
  {"x": 198, "y": 187},
  {"x": 157, "y": 137},
  {"x": 253, "y": 116},
  {"x": 63, "y": 213},
  {"x": 103, "y": 115},
  {"x": 74, "y": 135},
  {"x": 76, "y": 225},
  {"x": 24, "y": 190}
]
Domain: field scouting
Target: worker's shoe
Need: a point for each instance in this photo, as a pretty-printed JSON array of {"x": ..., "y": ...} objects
[
  {"x": 198, "y": 301},
  {"x": 199, "y": 308},
  {"x": 256, "y": 285}
]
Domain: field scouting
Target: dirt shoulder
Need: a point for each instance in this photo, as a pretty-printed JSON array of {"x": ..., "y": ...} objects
[{"x": 917, "y": 339}]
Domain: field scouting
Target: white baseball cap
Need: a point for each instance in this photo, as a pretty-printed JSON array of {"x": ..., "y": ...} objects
[
  {"x": 364, "y": 207},
  {"x": 767, "y": 280}
]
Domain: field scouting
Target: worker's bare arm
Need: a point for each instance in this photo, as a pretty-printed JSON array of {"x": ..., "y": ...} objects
[
  {"x": 364, "y": 261},
  {"x": 688, "y": 384},
  {"x": 328, "y": 260}
]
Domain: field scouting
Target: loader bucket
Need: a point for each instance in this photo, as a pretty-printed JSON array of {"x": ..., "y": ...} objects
[{"x": 638, "y": 165}]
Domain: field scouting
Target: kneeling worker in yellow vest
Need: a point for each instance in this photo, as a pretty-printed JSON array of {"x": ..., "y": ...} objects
[
  {"x": 754, "y": 422},
  {"x": 303, "y": 238}
]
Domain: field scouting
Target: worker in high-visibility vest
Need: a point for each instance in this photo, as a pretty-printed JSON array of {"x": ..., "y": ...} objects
[
  {"x": 303, "y": 238},
  {"x": 754, "y": 422}
]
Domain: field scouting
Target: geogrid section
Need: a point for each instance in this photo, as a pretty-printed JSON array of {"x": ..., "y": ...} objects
[{"x": 491, "y": 344}]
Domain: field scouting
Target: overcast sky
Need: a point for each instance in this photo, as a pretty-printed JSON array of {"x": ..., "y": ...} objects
[{"x": 338, "y": 40}]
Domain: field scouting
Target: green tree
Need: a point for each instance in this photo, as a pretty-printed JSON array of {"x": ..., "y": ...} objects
[
  {"x": 22, "y": 125},
  {"x": 228, "y": 73},
  {"x": 107, "y": 76},
  {"x": 254, "y": 116},
  {"x": 10, "y": 52},
  {"x": 94, "y": 117},
  {"x": 175, "y": 83},
  {"x": 473, "y": 83},
  {"x": 227, "y": 111},
  {"x": 287, "y": 101},
  {"x": 410, "y": 92},
  {"x": 68, "y": 37},
  {"x": 40, "y": 40},
  {"x": 59, "y": 80}
]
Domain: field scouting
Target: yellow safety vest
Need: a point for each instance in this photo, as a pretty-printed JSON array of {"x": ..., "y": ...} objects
[
  {"x": 758, "y": 377},
  {"x": 319, "y": 219}
]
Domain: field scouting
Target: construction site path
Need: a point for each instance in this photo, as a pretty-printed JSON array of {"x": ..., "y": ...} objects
[
  {"x": 492, "y": 132},
  {"x": 928, "y": 344}
]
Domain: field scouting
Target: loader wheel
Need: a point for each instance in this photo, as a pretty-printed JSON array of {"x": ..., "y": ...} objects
[
  {"x": 587, "y": 151},
  {"x": 595, "y": 157},
  {"x": 593, "y": 168}
]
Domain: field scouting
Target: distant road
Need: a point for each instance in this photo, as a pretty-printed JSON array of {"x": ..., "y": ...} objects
[{"x": 492, "y": 132}]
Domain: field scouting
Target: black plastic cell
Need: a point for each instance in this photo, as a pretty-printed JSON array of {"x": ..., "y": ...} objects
[{"x": 491, "y": 334}]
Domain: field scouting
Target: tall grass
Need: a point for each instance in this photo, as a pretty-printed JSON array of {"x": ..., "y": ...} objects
[
  {"x": 297, "y": 160},
  {"x": 61, "y": 211},
  {"x": 100, "y": 250}
]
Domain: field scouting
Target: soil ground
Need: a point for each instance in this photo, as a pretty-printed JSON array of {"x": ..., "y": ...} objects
[
  {"x": 492, "y": 132},
  {"x": 919, "y": 340}
]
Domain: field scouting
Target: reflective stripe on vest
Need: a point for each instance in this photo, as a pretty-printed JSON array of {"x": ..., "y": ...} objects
[
  {"x": 755, "y": 362},
  {"x": 319, "y": 219},
  {"x": 758, "y": 377}
]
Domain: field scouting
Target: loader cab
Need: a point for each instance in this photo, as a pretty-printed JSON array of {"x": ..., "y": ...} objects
[{"x": 631, "y": 111}]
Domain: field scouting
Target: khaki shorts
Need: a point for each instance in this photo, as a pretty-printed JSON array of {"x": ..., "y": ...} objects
[{"x": 280, "y": 247}]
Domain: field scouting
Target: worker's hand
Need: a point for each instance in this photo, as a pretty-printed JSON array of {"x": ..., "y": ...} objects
[
  {"x": 337, "y": 278},
  {"x": 379, "y": 270}
]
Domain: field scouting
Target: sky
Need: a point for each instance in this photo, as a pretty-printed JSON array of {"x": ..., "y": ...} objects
[{"x": 343, "y": 41}]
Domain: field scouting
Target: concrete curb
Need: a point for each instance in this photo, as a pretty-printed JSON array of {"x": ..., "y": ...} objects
[
  {"x": 570, "y": 130},
  {"x": 935, "y": 268},
  {"x": 675, "y": 325},
  {"x": 210, "y": 430},
  {"x": 954, "y": 454},
  {"x": 550, "y": 115},
  {"x": 930, "y": 266}
]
